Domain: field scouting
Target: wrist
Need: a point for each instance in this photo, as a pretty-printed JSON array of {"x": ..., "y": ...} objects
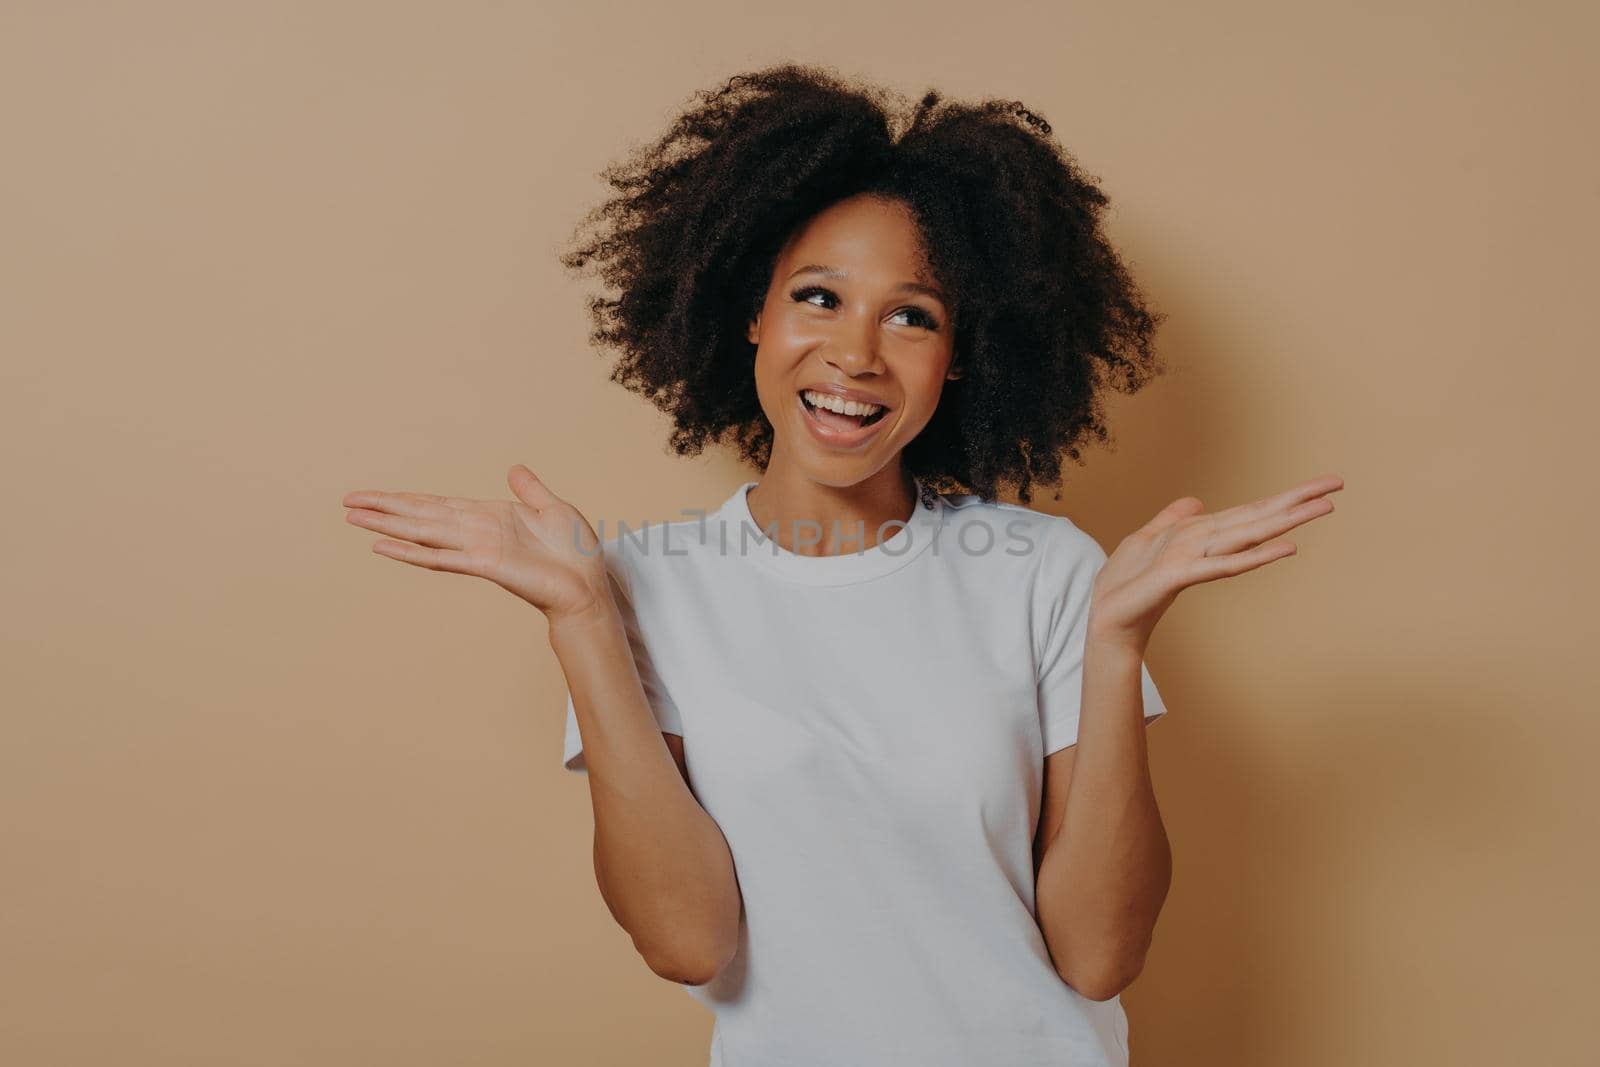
[
  {"x": 1113, "y": 638},
  {"x": 597, "y": 616},
  {"x": 1113, "y": 645}
]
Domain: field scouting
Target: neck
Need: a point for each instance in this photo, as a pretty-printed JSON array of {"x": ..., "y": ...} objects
[{"x": 814, "y": 518}]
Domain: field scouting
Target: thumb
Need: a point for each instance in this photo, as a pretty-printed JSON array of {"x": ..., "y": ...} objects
[{"x": 529, "y": 489}]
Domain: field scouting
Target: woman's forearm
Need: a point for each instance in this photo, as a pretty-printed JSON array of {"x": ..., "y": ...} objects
[
  {"x": 662, "y": 863},
  {"x": 1105, "y": 875}
]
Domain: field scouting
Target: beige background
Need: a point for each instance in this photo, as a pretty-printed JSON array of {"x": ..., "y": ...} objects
[{"x": 268, "y": 798}]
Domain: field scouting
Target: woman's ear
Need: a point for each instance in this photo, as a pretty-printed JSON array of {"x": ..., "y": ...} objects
[
  {"x": 752, "y": 331},
  {"x": 954, "y": 372}
]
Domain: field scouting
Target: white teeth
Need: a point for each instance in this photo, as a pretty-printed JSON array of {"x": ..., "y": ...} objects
[{"x": 843, "y": 407}]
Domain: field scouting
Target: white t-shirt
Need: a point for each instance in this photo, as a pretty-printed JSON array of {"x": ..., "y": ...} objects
[{"x": 869, "y": 730}]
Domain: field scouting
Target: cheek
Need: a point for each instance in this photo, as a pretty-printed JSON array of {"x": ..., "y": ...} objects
[
  {"x": 773, "y": 373},
  {"x": 783, "y": 346},
  {"x": 924, "y": 386},
  {"x": 788, "y": 332}
]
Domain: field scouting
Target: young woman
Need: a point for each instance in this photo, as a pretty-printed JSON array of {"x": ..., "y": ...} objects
[{"x": 865, "y": 745}]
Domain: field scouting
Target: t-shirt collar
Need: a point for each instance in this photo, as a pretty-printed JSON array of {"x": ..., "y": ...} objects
[{"x": 744, "y": 540}]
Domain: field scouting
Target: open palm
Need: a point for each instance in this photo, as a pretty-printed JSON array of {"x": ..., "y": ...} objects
[
  {"x": 538, "y": 546},
  {"x": 1184, "y": 546}
]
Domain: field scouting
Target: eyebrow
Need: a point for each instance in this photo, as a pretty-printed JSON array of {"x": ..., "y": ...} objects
[{"x": 903, "y": 287}]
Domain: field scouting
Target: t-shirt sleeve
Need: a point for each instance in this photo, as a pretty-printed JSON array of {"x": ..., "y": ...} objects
[
  {"x": 1071, "y": 560},
  {"x": 661, "y": 705}
]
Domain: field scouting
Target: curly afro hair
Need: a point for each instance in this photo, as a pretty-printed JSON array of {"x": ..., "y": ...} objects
[{"x": 1046, "y": 316}]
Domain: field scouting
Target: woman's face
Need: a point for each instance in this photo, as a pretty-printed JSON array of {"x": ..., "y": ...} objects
[{"x": 851, "y": 307}]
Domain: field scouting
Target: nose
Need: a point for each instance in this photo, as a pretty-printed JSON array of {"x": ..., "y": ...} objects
[{"x": 854, "y": 350}]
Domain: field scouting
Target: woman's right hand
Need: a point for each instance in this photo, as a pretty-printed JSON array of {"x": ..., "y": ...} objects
[{"x": 538, "y": 546}]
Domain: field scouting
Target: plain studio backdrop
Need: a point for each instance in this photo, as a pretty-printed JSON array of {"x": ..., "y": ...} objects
[{"x": 269, "y": 798}]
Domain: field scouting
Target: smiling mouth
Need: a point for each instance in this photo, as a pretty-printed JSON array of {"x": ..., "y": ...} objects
[{"x": 836, "y": 421}]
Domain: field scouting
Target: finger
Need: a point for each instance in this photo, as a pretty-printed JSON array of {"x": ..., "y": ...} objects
[
  {"x": 365, "y": 498},
  {"x": 1182, "y": 508},
  {"x": 417, "y": 505},
  {"x": 423, "y": 531},
  {"x": 356, "y": 496},
  {"x": 432, "y": 559},
  {"x": 1233, "y": 538},
  {"x": 530, "y": 489},
  {"x": 1280, "y": 502},
  {"x": 1210, "y": 568}
]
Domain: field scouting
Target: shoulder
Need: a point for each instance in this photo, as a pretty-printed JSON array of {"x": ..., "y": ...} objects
[
  {"x": 1057, "y": 544},
  {"x": 642, "y": 553}
]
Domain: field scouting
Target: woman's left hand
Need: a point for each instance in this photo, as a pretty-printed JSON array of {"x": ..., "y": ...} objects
[{"x": 1183, "y": 546}]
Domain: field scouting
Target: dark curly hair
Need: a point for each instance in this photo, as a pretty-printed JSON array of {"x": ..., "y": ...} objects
[{"x": 1046, "y": 316}]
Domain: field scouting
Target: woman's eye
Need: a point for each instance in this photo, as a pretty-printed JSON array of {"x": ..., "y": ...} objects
[
  {"x": 919, "y": 317},
  {"x": 804, "y": 295}
]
